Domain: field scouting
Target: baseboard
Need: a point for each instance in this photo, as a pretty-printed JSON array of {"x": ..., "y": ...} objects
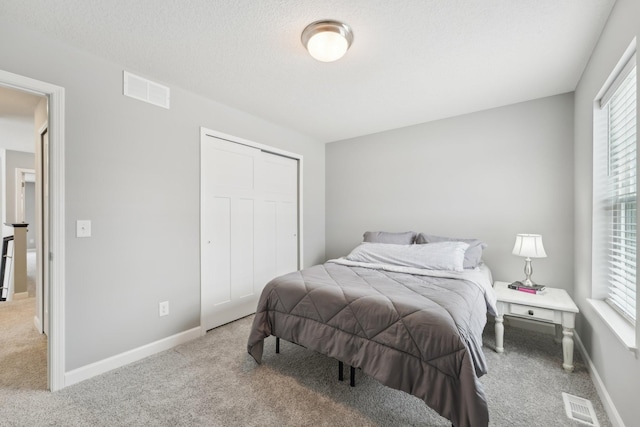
[
  {"x": 609, "y": 407},
  {"x": 102, "y": 366},
  {"x": 20, "y": 295},
  {"x": 36, "y": 323}
]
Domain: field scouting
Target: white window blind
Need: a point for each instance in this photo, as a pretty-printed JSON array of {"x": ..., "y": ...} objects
[{"x": 620, "y": 197}]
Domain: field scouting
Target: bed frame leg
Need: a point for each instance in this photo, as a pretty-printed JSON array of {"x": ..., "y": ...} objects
[
  {"x": 352, "y": 381},
  {"x": 277, "y": 345},
  {"x": 340, "y": 371}
]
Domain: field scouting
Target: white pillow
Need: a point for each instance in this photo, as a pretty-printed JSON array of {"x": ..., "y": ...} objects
[{"x": 434, "y": 256}]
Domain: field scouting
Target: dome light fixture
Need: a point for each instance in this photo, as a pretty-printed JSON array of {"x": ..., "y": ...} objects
[{"x": 326, "y": 40}]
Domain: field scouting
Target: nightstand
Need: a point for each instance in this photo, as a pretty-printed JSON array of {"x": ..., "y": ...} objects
[{"x": 553, "y": 306}]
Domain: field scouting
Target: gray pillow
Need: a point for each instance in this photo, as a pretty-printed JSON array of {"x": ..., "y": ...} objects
[
  {"x": 448, "y": 256},
  {"x": 404, "y": 238},
  {"x": 472, "y": 256}
]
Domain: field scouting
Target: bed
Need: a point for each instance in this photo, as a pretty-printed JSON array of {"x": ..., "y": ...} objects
[{"x": 409, "y": 315}]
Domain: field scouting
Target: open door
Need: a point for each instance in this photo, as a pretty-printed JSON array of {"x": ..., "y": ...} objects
[{"x": 42, "y": 231}]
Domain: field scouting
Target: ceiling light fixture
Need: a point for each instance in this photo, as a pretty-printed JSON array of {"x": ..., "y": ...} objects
[{"x": 327, "y": 41}]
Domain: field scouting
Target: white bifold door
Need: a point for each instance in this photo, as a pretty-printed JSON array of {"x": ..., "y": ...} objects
[{"x": 248, "y": 225}]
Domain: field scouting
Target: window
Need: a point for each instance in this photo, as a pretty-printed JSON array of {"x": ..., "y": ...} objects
[{"x": 615, "y": 197}]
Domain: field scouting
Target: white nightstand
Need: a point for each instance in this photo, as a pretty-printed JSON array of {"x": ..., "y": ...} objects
[{"x": 553, "y": 306}]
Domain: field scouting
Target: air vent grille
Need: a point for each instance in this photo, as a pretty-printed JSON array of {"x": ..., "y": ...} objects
[
  {"x": 145, "y": 90},
  {"x": 580, "y": 410}
]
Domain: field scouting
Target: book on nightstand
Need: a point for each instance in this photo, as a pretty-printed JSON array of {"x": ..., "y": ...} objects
[{"x": 519, "y": 286}]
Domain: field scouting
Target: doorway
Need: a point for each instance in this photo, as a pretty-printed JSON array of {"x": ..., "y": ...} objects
[
  {"x": 24, "y": 346},
  {"x": 32, "y": 205},
  {"x": 54, "y": 257}
]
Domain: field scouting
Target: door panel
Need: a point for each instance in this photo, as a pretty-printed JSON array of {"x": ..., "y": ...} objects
[
  {"x": 233, "y": 170},
  {"x": 242, "y": 250},
  {"x": 227, "y": 223},
  {"x": 265, "y": 244},
  {"x": 287, "y": 239},
  {"x": 249, "y": 223},
  {"x": 41, "y": 227},
  {"x": 280, "y": 188},
  {"x": 219, "y": 265},
  {"x": 280, "y": 175}
]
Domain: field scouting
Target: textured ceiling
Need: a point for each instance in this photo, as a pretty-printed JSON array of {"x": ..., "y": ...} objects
[{"x": 412, "y": 61}]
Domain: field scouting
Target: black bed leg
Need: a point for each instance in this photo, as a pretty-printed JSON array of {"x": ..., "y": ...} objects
[
  {"x": 352, "y": 382},
  {"x": 277, "y": 345},
  {"x": 340, "y": 371}
]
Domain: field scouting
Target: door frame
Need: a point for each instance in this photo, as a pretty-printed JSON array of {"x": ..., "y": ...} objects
[
  {"x": 56, "y": 256},
  {"x": 204, "y": 134},
  {"x": 43, "y": 226}
]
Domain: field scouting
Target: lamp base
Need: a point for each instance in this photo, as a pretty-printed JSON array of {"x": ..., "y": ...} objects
[
  {"x": 528, "y": 271},
  {"x": 529, "y": 282}
]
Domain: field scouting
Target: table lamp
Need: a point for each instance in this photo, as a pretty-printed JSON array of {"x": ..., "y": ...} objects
[{"x": 529, "y": 246}]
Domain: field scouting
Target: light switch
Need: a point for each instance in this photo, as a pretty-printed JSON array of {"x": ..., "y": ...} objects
[{"x": 83, "y": 228}]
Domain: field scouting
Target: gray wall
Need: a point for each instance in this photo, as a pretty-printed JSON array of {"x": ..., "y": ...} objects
[
  {"x": 16, "y": 133},
  {"x": 30, "y": 213},
  {"x": 133, "y": 169},
  {"x": 15, "y": 160},
  {"x": 488, "y": 175},
  {"x": 618, "y": 368}
]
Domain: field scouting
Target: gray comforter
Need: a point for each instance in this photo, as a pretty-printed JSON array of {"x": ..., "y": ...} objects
[{"x": 415, "y": 333}]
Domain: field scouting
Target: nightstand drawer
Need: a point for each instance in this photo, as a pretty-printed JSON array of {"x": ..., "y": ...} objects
[{"x": 532, "y": 312}]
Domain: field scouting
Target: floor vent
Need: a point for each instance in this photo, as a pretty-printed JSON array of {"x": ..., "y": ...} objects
[
  {"x": 580, "y": 410},
  {"x": 145, "y": 90}
]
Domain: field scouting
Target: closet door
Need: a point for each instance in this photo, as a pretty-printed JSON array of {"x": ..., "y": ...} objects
[
  {"x": 277, "y": 221},
  {"x": 248, "y": 229}
]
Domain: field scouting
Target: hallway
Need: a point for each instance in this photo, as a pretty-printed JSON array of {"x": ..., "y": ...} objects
[{"x": 23, "y": 351}]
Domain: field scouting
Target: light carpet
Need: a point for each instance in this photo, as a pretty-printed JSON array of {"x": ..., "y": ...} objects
[
  {"x": 212, "y": 381},
  {"x": 23, "y": 351}
]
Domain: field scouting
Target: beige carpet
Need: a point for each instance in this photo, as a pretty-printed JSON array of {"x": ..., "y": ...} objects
[
  {"x": 212, "y": 381},
  {"x": 23, "y": 353}
]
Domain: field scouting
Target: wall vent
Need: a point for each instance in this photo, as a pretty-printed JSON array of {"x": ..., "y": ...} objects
[
  {"x": 579, "y": 409},
  {"x": 145, "y": 90}
]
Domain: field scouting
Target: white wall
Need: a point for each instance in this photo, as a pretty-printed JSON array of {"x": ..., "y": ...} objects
[
  {"x": 16, "y": 160},
  {"x": 488, "y": 175},
  {"x": 133, "y": 170},
  {"x": 16, "y": 133},
  {"x": 617, "y": 367},
  {"x": 30, "y": 213}
]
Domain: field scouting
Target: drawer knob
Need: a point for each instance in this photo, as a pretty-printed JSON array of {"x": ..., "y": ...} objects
[{"x": 530, "y": 312}]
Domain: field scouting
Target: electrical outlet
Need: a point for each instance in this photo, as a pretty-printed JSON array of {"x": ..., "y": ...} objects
[{"x": 163, "y": 308}]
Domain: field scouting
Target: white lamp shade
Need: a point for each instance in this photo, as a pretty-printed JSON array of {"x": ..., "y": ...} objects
[
  {"x": 529, "y": 246},
  {"x": 327, "y": 46}
]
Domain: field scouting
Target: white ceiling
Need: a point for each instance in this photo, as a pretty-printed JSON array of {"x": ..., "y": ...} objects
[
  {"x": 17, "y": 119},
  {"x": 412, "y": 61},
  {"x": 16, "y": 104}
]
